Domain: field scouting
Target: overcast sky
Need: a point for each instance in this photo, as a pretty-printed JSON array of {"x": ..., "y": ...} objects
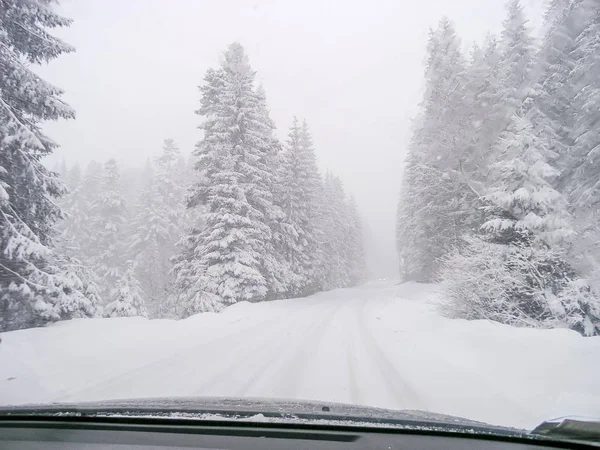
[{"x": 352, "y": 68}]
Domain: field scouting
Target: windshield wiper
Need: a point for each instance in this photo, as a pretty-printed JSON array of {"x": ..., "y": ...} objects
[{"x": 570, "y": 428}]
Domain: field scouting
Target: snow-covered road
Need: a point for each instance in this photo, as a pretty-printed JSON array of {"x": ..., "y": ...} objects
[{"x": 378, "y": 344}]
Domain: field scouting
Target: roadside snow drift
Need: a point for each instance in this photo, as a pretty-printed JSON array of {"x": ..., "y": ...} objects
[{"x": 378, "y": 345}]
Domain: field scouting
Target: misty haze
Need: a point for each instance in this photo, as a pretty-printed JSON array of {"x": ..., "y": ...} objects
[{"x": 389, "y": 204}]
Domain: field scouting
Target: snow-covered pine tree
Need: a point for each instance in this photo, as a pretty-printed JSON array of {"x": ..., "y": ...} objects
[
  {"x": 72, "y": 229},
  {"x": 553, "y": 91},
  {"x": 435, "y": 206},
  {"x": 235, "y": 182},
  {"x": 580, "y": 164},
  {"x": 355, "y": 254},
  {"x": 521, "y": 185},
  {"x": 127, "y": 300},
  {"x": 76, "y": 229},
  {"x": 498, "y": 80},
  {"x": 191, "y": 296},
  {"x": 517, "y": 53},
  {"x": 276, "y": 268},
  {"x": 582, "y": 183},
  {"x": 512, "y": 273},
  {"x": 334, "y": 270},
  {"x": 481, "y": 115},
  {"x": 108, "y": 219},
  {"x": 92, "y": 179},
  {"x": 73, "y": 235},
  {"x": 298, "y": 195},
  {"x": 73, "y": 177},
  {"x": 33, "y": 287},
  {"x": 159, "y": 223},
  {"x": 148, "y": 230}
]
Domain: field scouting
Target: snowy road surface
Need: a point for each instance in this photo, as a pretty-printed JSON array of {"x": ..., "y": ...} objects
[{"x": 378, "y": 345}]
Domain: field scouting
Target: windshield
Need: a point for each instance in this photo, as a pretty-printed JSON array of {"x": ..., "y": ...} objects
[{"x": 390, "y": 204}]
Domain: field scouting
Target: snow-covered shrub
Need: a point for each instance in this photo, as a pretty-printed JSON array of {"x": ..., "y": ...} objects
[
  {"x": 578, "y": 306},
  {"x": 523, "y": 284},
  {"x": 127, "y": 297}
]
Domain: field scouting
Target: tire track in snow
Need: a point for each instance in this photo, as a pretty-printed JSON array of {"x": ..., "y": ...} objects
[
  {"x": 353, "y": 387},
  {"x": 261, "y": 355},
  {"x": 296, "y": 366},
  {"x": 445, "y": 364},
  {"x": 140, "y": 373},
  {"x": 404, "y": 395}
]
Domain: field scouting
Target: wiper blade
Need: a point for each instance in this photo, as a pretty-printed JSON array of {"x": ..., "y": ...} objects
[{"x": 576, "y": 429}]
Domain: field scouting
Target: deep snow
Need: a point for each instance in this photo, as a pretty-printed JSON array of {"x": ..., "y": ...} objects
[{"x": 378, "y": 344}]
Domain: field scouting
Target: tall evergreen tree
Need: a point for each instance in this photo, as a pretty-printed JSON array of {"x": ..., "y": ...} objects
[
  {"x": 299, "y": 192},
  {"x": 517, "y": 53},
  {"x": 108, "y": 219},
  {"x": 33, "y": 288},
  {"x": 583, "y": 78},
  {"x": 482, "y": 117},
  {"x": 434, "y": 205},
  {"x": 355, "y": 254},
  {"x": 580, "y": 165},
  {"x": 235, "y": 185},
  {"x": 521, "y": 185},
  {"x": 159, "y": 223},
  {"x": 191, "y": 295},
  {"x": 334, "y": 270},
  {"x": 72, "y": 229}
]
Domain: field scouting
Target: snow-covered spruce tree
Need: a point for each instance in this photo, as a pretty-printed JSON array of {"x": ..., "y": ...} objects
[
  {"x": 92, "y": 180},
  {"x": 481, "y": 115},
  {"x": 498, "y": 79},
  {"x": 521, "y": 184},
  {"x": 159, "y": 223},
  {"x": 231, "y": 257},
  {"x": 276, "y": 268},
  {"x": 550, "y": 98},
  {"x": 148, "y": 233},
  {"x": 73, "y": 178},
  {"x": 581, "y": 181},
  {"x": 580, "y": 164},
  {"x": 517, "y": 53},
  {"x": 355, "y": 254},
  {"x": 496, "y": 82},
  {"x": 73, "y": 234},
  {"x": 298, "y": 194},
  {"x": 334, "y": 270},
  {"x": 76, "y": 230},
  {"x": 127, "y": 300},
  {"x": 33, "y": 287},
  {"x": 72, "y": 230},
  {"x": 107, "y": 221},
  {"x": 190, "y": 294},
  {"x": 72, "y": 206},
  {"x": 435, "y": 206},
  {"x": 340, "y": 257}
]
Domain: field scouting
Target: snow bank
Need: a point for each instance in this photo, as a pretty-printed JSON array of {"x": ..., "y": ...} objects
[{"x": 379, "y": 344}]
